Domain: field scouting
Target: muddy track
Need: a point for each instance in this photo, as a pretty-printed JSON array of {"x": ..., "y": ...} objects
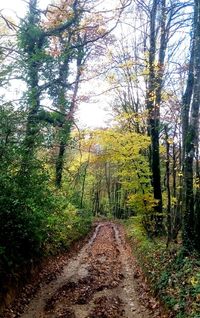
[{"x": 98, "y": 282}]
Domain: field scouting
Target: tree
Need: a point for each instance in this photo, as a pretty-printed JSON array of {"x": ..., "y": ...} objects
[
  {"x": 142, "y": 72},
  {"x": 119, "y": 171},
  {"x": 191, "y": 141}
]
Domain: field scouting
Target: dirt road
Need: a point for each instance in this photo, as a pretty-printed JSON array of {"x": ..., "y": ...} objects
[{"x": 98, "y": 282}]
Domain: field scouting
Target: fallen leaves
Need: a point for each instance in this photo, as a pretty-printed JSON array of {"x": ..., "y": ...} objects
[
  {"x": 102, "y": 283},
  {"x": 107, "y": 307}
]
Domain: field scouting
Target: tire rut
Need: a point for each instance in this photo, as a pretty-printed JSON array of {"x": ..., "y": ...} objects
[{"x": 98, "y": 282}]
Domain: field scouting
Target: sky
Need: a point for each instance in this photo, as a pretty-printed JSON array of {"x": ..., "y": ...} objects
[{"x": 91, "y": 114}]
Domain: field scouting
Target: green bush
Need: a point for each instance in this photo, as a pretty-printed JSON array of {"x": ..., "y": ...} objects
[
  {"x": 34, "y": 221},
  {"x": 22, "y": 218},
  {"x": 65, "y": 226}
]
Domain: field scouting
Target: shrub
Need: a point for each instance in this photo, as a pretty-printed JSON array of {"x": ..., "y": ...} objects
[{"x": 173, "y": 275}]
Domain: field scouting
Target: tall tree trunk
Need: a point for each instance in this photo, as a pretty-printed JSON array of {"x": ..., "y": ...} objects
[
  {"x": 60, "y": 163},
  {"x": 108, "y": 184},
  {"x": 177, "y": 221},
  {"x": 153, "y": 107},
  {"x": 186, "y": 102},
  {"x": 169, "y": 217},
  {"x": 68, "y": 120},
  {"x": 96, "y": 201},
  {"x": 191, "y": 144},
  {"x": 84, "y": 177},
  {"x": 65, "y": 132},
  {"x": 31, "y": 47},
  {"x": 195, "y": 123},
  {"x": 197, "y": 204}
]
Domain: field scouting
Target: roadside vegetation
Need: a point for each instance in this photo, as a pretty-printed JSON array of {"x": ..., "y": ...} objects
[{"x": 173, "y": 274}]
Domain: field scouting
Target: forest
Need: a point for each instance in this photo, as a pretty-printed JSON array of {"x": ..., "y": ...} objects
[{"x": 140, "y": 170}]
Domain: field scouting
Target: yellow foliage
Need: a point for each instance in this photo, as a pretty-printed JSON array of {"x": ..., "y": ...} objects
[
  {"x": 170, "y": 141},
  {"x": 125, "y": 153},
  {"x": 194, "y": 281},
  {"x": 145, "y": 72},
  {"x": 127, "y": 64},
  {"x": 111, "y": 78}
]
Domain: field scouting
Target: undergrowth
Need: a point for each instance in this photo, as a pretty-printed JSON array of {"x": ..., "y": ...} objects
[
  {"x": 35, "y": 222},
  {"x": 173, "y": 275}
]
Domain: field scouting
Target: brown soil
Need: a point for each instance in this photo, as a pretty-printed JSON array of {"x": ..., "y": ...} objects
[{"x": 102, "y": 280}]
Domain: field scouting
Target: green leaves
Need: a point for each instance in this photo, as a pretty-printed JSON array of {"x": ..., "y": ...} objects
[{"x": 173, "y": 275}]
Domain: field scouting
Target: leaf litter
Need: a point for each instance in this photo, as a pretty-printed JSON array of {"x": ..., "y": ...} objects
[{"x": 102, "y": 280}]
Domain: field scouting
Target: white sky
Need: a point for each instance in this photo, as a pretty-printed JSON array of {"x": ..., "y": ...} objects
[{"x": 91, "y": 114}]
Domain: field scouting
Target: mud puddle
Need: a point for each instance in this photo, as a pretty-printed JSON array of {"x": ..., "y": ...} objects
[{"x": 98, "y": 282}]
